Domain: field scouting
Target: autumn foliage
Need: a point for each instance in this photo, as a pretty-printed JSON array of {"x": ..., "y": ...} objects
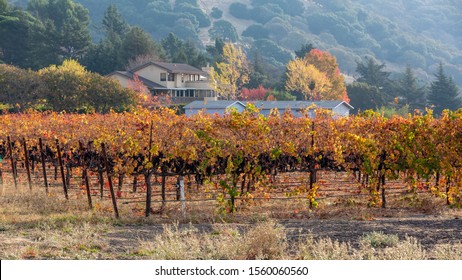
[
  {"x": 145, "y": 98},
  {"x": 243, "y": 150},
  {"x": 317, "y": 76},
  {"x": 254, "y": 94}
]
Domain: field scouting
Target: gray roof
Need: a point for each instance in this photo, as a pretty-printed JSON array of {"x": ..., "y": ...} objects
[
  {"x": 150, "y": 84},
  {"x": 172, "y": 68},
  {"x": 219, "y": 104},
  {"x": 297, "y": 105}
]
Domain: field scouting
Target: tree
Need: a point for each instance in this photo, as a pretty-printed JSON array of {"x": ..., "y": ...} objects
[
  {"x": 67, "y": 24},
  {"x": 20, "y": 89},
  {"x": 257, "y": 76},
  {"x": 254, "y": 94},
  {"x": 139, "y": 43},
  {"x": 21, "y": 37},
  {"x": 273, "y": 95},
  {"x": 216, "y": 51},
  {"x": 216, "y": 13},
  {"x": 172, "y": 46},
  {"x": 66, "y": 86},
  {"x": 409, "y": 90},
  {"x": 224, "y": 29},
  {"x": 256, "y": 31},
  {"x": 304, "y": 50},
  {"x": 444, "y": 92},
  {"x": 105, "y": 56},
  {"x": 364, "y": 96},
  {"x": 71, "y": 88},
  {"x": 373, "y": 73},
  {"x": 113, "y": 22},
  {"x": 231, "y": 74},
  {"x": 327, "y": 64},
  {"x": 307, "y": 79}
]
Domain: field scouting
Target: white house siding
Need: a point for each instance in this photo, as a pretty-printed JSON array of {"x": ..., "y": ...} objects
[
  {"x": 123, "y": 80},
  {"x": 341, "y": 110},
  {"x": 152, "y": 73}
]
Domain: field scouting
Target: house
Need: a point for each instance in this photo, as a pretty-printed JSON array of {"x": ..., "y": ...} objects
[
  {"x": 339, "y": 108},
  {"x": 182, "y": 82},
  {"x": 211, "y": 107}
]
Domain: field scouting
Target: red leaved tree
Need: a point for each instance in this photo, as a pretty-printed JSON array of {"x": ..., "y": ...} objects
[
  {"x": 145, "y": 98},
  {"x": 254, "y": 94}
]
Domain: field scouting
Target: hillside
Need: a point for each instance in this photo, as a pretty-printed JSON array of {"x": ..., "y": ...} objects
[{"x": 421, "y": 33}]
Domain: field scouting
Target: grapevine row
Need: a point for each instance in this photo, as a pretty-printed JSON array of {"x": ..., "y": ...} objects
[{"x": 244, "y": 149}]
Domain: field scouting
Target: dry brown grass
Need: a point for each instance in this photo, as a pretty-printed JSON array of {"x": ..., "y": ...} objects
[{"x": 36, "y": 226}]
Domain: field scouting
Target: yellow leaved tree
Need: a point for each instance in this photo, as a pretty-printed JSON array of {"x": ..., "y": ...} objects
[
  {"x": 317, "y": 76},
  {"x": 307, "y": 79},
  {"x": 231, "y": 74}
]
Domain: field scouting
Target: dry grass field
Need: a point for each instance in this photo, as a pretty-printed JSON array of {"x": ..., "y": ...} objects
[{"x": 36, "y": 226}]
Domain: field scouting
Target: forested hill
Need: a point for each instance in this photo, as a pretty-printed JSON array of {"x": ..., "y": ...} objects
[{"x": 421, "y": 33}]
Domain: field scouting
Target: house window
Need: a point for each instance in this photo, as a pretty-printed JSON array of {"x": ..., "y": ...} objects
[
  {"x": 163, "y": 77},
  {"x": 171, "y": 77}
]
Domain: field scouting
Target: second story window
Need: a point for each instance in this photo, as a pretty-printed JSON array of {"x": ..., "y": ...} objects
[
  {"x": 171, "y": 77},
  {"x": 163, "y": 77}
]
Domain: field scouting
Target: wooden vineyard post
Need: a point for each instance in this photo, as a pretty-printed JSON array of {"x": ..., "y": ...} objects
[
  {"x": 42, "y": 159},
  {"x": 1, "y": 173},
  {"x": 147, "y": 178},
  {"x": 26, "y": 156},
  {"x": 109, "y": 179},
  {"x": 85, "y": 177},
  {"x": 163, "y": 194},
  {"x": 101, "y": 182},
  {"x": 135, "y": 182},
  {"x": 13, "y": 165},
  {"x": 61, "y": 166},
  {"x": 180, "y": 194},
  {"x": 384, "y": 200}
]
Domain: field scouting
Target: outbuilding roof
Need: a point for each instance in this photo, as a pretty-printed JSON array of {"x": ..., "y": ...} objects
[
  {"x": 284, "y": 105},
  {"x": 219, "y": 104}
]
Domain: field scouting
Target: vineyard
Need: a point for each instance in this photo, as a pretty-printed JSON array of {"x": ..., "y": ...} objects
[{"x": 148, "y": 158}]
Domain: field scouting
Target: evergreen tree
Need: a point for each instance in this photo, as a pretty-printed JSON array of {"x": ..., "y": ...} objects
[
  {"x": 21, "y": 37},
  {"x": 172, "y": 46},
  {"x": 444, "y": 92},
  {"x": 410, "y": 91},
  {"x": 257, "y": 74},
  {"x": 66, "y": 24},
  {"x": 304, "y": 50},
  {"x": 105, "y": 57},
  {"x": 374, "y": 74},
  {"x": 139, "y": 43},
  {"x": 216, "y": 51},
  {"x": 364, "y": 96},
  {"x": 113, "y": 22}
]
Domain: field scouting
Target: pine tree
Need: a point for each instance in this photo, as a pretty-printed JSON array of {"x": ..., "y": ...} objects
[
  {"x": 304, "y": 50},
  {"x": 444, "y": 92},
  {"x": 113, "y": 22},
  {"x": 257, "y": 75},
  {"x": 139, "y": 43},
  {"x": 408, "y": 88},
  {"x": 66, "y": 24}
]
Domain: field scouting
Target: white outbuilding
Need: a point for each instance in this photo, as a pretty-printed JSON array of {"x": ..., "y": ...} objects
[{"x": 219, "y": 107}]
